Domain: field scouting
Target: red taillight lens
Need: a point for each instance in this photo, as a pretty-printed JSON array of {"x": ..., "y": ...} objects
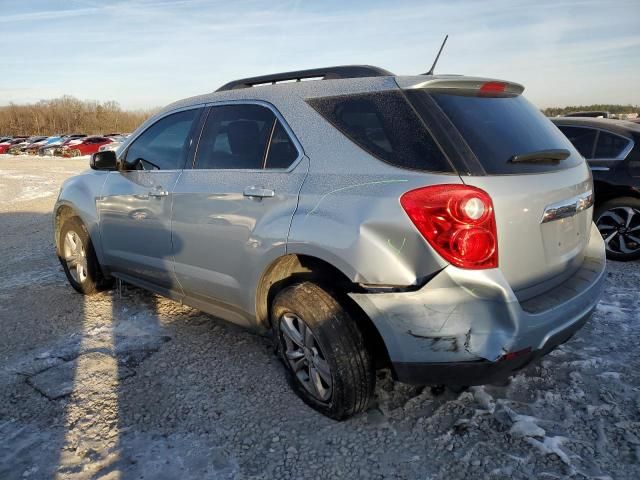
[{"x": 458, "y": 222}]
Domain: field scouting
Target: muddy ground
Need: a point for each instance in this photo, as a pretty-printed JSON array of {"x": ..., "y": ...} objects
[{"x": 130, "y": 385}]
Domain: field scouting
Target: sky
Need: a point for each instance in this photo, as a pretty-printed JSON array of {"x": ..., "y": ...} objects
[{"x": 145, "y": 53}]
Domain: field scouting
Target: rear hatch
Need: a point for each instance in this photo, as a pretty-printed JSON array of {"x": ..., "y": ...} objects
[{"x": 540, "y": 185}]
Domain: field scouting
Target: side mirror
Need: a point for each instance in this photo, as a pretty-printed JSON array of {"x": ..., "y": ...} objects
[{"x": 105, "y": 160}]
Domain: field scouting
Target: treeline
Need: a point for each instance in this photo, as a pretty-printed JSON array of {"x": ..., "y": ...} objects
[
  {"x": 69, "y": 115},
  {"x": 554, "y": 111}
]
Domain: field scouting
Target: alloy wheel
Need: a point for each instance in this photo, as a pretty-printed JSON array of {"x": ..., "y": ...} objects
[
  {"x": 75, "y": 256},
  {"x": 620, "y": 229},
  {"x": 304, "y": 355}
]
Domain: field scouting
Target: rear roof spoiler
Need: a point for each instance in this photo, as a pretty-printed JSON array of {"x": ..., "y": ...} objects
[
  {"x": 461, "y": 84},
  {"x": 327, "y": 73}
]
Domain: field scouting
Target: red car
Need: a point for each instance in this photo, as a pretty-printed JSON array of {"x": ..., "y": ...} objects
[
  {"x": 5, "y": 146},
  {"x": 83, "y": 146}
]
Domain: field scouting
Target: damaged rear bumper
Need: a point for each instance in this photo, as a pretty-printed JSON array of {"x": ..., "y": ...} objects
[{"x": 464, "y": 326}]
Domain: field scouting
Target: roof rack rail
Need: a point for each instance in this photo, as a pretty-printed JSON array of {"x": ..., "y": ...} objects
[{"x": 329, "y": 73}]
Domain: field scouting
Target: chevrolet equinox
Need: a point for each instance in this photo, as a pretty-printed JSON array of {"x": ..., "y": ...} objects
[{"x": 437, "y": 225}]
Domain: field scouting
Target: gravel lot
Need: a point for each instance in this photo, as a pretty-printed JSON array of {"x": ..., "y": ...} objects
[{"x": 132, "y": 385}]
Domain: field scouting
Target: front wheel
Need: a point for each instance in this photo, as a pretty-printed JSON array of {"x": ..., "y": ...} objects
[
  {"x": 323, "y": 350},
  {"x": 618, "y": 221},
  {"x": 78, "y": 258}
]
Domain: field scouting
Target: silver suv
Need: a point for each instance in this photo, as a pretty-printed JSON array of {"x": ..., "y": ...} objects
[{"x": 439, "y": 226}]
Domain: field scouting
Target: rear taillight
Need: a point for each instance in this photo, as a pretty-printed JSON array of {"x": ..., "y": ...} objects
[{"x": 458, "y": 222}]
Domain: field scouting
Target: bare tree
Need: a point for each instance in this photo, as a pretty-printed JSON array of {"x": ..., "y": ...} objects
[{"x": 67, "y": 114}]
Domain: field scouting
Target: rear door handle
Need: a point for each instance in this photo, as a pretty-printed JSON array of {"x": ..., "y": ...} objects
[
  {"x": 158, "y": 192},
  {"x": 258, "y": 192}
]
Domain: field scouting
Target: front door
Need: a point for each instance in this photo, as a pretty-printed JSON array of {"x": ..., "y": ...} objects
[
  {"x": 232, "y": 211},
  {"x": 135, "y": 205}
]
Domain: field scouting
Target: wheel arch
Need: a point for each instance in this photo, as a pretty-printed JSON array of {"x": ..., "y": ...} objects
[
  {"x": 606, "y": 191},
  {"x": 62, "y": 212},
  {"x": 65, "y": 210},
  {"x": 295, "y": 268}
]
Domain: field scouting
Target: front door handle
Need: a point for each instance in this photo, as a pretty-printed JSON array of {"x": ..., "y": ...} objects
[{"x": 258, "y": 192}]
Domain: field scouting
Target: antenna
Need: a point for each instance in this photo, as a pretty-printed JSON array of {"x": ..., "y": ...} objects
[{"x": 430, "y": 72}]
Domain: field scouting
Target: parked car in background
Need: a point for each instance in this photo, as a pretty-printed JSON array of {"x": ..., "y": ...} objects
[
  {"x": 51, "y": 148},
  {"x": 110, "y": 146},
  {"x": 83, "y": 146},
  {"x": 6, "y": 145},
  {"x": 440, "y": 226},
  {"x": 612, "y": 148},
  {"x": 20, "y": 147},
  {"x": 587, "y": 114},
  {"x": 50, "y": 141},
  {"x": 33, "y": 148}
]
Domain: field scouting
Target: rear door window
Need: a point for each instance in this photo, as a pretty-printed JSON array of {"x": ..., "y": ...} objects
[
  {"x": 497, "y": 128},
  {"x": 610, "y": 145},
  {"x": 384, "y": 125},
  {"x": 235, "y": 137},
  {"x": 581, "y": 138},
  {"x": 282, "y": 152}
]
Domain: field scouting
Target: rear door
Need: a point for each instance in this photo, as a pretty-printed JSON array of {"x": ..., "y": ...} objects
[
  {"x": 233, "y": 209},
  {"x": 542, "y": 205}
]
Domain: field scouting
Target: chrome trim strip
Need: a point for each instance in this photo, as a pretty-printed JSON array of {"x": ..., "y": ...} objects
[
  {"x": 599, "y": 168},
  {"x": 567, "y": 208}
]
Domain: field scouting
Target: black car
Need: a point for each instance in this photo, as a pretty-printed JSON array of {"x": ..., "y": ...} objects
[{"x": 612, "y": 148}]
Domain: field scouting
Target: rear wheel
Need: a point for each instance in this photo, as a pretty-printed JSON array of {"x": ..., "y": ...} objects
[
  {"x": 618, "y": 221},
  {"x": 323, "y": 350},
  {"x": 78, "y": 258}
]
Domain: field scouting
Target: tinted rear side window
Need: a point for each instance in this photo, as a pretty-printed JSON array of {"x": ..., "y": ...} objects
[
  {"x": 582, "y": 138},
  {"x": 385, "y": 125},
  {"x": 610, "y": 145},
  {"x": 497, "y": 128}
]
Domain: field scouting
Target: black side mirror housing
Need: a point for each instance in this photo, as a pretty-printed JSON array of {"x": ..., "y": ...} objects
[{"x": 105, "y": 160}]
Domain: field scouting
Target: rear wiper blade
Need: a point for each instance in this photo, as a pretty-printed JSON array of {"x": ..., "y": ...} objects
[{"x": 541, "y": 156}]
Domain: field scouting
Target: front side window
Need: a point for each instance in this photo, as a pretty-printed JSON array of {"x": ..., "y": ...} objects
[
  {"x": 164, "y": 145},
  {"x": 610, "y": 145},
  {"x": 582, "y": 138}
]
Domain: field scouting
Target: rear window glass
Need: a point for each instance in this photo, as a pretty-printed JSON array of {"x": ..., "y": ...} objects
[
  {"x": 497, "y": 128},
  {"x": 610, "y": 145},
  {"x": 385, "y": 125}
]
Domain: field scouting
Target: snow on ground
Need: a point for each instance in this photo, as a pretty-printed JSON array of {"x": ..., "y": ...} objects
[{"x": 130, "y": 385}]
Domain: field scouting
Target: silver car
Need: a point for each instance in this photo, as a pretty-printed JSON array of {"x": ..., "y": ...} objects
[{"x": 438, "y": 226}]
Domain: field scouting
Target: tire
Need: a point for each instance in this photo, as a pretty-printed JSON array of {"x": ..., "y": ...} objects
[
  {"x": 335, "y": 350},
  {"x": 618, "y": 221},
  {"x": 79, "y": 259}
]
